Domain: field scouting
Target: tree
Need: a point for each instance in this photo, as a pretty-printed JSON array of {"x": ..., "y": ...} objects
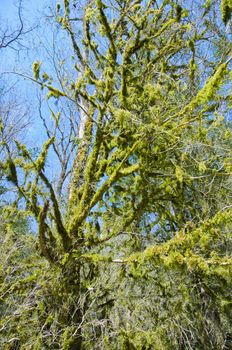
[
  {"x": 10, "y": 37},
  {"x": 145, "y": 211},
  {"x": 13, "y": 114}
]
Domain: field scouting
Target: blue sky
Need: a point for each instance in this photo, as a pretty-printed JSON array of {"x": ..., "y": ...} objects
[
  {"x": 9, "y": 19},
  {"x": 21, "y": 61},
  {"x": 8, "y": 8}
]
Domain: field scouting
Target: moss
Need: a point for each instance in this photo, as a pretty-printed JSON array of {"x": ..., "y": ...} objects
[
  {"x": 11, "y": 172},
  {"x": 23, "y": 150},
  {"x": 68, "y": 339},
  {"x": 209, "y": 89},
  {"x": 40, "y": 161},
  {"x": 96, "y": 258},
  {"x": 152, "y": 92},
  {"x": 58, "y": 7},
  {"x": 36, "y": 69},
  {"x": 125, "y": 172},
  {"x": 45, "y": 77},
  {"x": 179, "y": 173},
  {"x": 226, "y": 10},
  {"x": 45, "y": 250},
  {"x": 53, "y": 92}
]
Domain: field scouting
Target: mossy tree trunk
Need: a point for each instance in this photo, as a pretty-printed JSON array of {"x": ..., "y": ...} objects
[{"x": 146, "y": 195}]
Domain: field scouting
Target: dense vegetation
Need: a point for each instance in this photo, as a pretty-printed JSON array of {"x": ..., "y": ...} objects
[{"x": 133, "y": 246}]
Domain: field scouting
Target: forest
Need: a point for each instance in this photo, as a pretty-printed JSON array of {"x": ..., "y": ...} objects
[{"x": 116, "y": 175}]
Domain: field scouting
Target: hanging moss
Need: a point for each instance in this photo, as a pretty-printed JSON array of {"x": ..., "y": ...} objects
[
  {"x": 208, "y": 91},
  {"x": 53, "y": 92},
  {"x": 36, "y": 69},
  {"x": 137, "y": 259},
  {"x": 40, "y": 161},
  {"x": 11, "y": 172},
  {"x": 212, "y": 85},
  {"x": 45, "y": 250},
  {"x": 58, "y": 7},
  {"x": 226, "y": 10}
]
